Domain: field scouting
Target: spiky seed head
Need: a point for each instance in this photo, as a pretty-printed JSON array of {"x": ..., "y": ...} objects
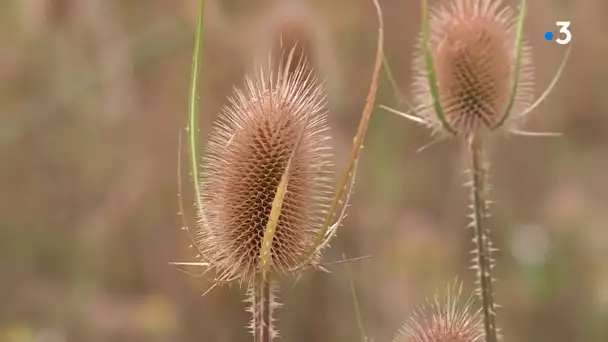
[
  {"x": 473, "y": 44},
  {"x": 447, "y": 318},
  {"x": 247, "y": 154}
]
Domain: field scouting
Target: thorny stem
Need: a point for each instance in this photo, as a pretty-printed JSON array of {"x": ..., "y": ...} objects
[
  {"x": 483, "y": 246},
  {"x": 262, "y": 307},
  {"x": 266, "y": 317}
]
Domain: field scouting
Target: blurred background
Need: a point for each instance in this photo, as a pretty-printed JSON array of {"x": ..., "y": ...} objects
[{"x": 93, "y": 94}]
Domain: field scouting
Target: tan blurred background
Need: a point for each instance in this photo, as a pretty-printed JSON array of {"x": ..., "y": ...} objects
[{"x": 93, "y": 94}]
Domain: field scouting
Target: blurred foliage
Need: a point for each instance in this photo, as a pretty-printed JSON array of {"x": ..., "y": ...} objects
[{"x": 93, "y": 94}]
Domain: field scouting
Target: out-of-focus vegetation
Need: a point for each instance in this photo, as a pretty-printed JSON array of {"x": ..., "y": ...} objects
[{"x": 92, "y": 97}]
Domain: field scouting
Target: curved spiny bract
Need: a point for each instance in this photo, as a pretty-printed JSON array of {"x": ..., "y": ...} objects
[
  {"x": 445, "y": 319},
  {"x": 473, "y": 45},
  {"x": 247, "y": 153}
]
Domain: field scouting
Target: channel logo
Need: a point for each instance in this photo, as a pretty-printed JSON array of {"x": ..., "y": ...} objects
[{"x": 564, "y": 35}]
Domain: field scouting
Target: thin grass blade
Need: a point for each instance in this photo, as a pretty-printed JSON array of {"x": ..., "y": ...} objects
[
  {"x": 356, "y": 306},
  {"x": 193, "y": 108}
]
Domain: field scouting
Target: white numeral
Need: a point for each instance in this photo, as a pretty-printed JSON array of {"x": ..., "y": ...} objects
[{"x": 564, "y": 25}]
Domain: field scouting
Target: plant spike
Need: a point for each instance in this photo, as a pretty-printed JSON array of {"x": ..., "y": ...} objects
[{"x": 410, "y": 117}]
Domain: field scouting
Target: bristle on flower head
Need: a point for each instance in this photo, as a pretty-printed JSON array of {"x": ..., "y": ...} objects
[
  {"x": 445, "y": 319},
  {"x": 247, "y": 154},
  {"x": 473, "y": 45}
]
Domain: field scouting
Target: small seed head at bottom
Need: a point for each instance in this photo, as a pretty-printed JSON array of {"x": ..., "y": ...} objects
[
  {"x": 447, "y": 318},
  {"x": 472, "y": 43},
  {"x": 247, "y": 154}
]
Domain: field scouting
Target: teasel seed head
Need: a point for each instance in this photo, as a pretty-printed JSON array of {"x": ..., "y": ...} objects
[
  {"x": 473, "y": 45},
  {"x": 247, "y": 153},
  {"x": 447, "y": 318}
]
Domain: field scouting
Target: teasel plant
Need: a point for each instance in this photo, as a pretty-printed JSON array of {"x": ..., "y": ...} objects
[
  {"x": 263, "y": 192},
  {"x": 473, "y": 78},
  {"x": 445, "y": 318}
]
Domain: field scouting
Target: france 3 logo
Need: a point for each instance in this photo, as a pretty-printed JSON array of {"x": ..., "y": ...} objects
[{"x": 564, "y": 37}]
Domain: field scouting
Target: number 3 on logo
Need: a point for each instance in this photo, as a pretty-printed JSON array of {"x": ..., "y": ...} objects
[{"x": 564, "y": 25}]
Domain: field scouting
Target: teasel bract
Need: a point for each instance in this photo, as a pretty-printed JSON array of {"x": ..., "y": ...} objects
[
  {"x": 473, "y": 76},
  {"x": 264, "y": 197}
]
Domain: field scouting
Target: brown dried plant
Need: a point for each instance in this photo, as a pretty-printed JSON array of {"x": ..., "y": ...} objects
[
  {"x": 247, "y": 154},
  {"x": 267, "y": 185},
  {"x": 264, "y": 195}
]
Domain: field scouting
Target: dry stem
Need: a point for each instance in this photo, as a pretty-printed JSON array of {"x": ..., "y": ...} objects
[{"x": 483, "y": 246}]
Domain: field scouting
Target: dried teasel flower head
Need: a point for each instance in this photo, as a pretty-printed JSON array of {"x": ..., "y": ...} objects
[
  {"x": 472, "y": 44},
  {"x": 276, "y": 117},
  {"x": 445, "y": 319}
]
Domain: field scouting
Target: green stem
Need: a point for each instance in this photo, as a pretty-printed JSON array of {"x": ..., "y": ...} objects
[
  {"x": 483, "y": 246},
  {"x": 193, "y": 115}
]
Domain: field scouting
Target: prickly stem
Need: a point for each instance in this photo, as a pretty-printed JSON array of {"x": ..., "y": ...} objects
[
  {"x": 262, "y": 304},
  {"x": 483, "y": 252}
]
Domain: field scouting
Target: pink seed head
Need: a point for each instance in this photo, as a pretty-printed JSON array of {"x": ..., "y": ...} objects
[
  {"x": 247, "y": 154},
  {"x": 473, "y": 45}
]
